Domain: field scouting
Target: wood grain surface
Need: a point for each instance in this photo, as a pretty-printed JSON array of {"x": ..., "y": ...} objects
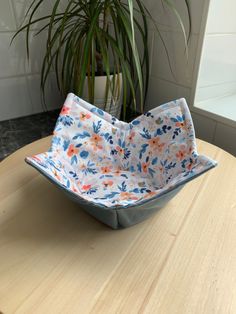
[{"x": 55, "y": 258}]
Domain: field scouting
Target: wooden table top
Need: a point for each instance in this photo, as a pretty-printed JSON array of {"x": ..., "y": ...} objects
[{"x": 55, "y": 258}]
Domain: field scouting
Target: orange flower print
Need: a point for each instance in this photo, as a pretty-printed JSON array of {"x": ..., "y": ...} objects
[
  {"x": 83, "y": 167},
  {"x": 155, "y": 143},
  {"x": 127, "y": 196},
  {"x": 160, "y": 147},
  {"x": 56, "y": 175},
  {"x": 65, "y": 110},
  {"x": 180, "y": 124},
  {"x": 181, "y": 154},
  {"x": 84, "y": 116},
  {"x": 86, "y": 187},
  {"x": 190, "y": 150},
  {"x": 131, "y": 137},
  {"x": 96, "y": 139},
  {"x": 145, "y": 166},
  {"x": 105, "y": 170},
  {"x": 72, "y": 150},
  {"x": 189, "y": 166},
  {"x": 74, "y": 189},
  {"x": 97, "y": 147},
  {"x": 117, "y": 172},
  {"x": 36, "y": 158},
  {"x": 120, "y": 150},
  {"x": 150, "y": 194},
  {"x": 107, "y": 183}
]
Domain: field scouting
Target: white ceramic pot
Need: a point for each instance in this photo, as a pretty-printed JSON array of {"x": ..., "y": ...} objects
[{"x": 113, "y": 105}]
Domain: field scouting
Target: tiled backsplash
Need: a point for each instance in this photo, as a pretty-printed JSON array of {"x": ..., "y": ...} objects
[
  {"x": 19, "y": 77},
  {"x": 217, "y": 75}
]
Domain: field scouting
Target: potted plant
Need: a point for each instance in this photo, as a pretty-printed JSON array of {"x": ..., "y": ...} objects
[{"x": 92, "y": 47}]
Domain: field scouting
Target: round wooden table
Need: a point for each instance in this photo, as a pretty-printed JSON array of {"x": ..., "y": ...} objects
[{"x": 54, "y": 258}]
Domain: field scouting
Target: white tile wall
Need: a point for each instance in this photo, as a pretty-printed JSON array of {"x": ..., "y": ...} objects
[
  {"x": 53, "y": 97},
  {"x": 218, "y": 63},
  {"x": 217, "y": 74},
  {"x": 19, "y": 78},
  {"x": 14, "y": 98},
  {"x": 37, "y": 52},
  {"x": 216, "y": 85},
  {"x": 221, "y": 18},
  {"x": 12, "y": 58}
]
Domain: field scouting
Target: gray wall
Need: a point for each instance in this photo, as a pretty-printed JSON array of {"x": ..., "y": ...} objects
[
  {"x": 165, "y": 84},
  {"x": 19, "y": 78}
]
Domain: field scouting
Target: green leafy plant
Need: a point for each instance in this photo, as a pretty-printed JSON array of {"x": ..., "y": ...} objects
[{"x": 99, "y": 37}]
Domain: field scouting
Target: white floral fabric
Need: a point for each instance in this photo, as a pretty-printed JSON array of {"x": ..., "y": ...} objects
[{"x": 112, "y": 163}]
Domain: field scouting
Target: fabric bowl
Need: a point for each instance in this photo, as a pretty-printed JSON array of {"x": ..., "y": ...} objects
[{"x": 121, "y": 172}]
